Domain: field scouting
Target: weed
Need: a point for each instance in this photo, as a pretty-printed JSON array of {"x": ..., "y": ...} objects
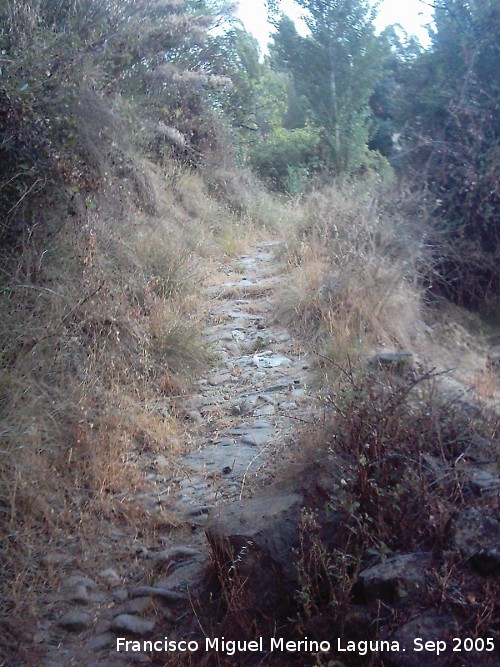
[
  {"x": 99, "y": 320},
  {"x": 394, "y": 448},
  {"x": 393, "y": 444},
  {"x": 354, "y": 275}
]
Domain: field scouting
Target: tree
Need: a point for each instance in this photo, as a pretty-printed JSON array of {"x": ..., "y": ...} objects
[
  {"x": 453, "y": 143},
  {"x": 235, "y": 55},
  {"x": 389, "y": 93},
  {"x": 336, "y": 69}
]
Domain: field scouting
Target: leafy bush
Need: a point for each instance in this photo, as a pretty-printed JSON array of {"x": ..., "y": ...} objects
[{"x": 287, "y": 159}]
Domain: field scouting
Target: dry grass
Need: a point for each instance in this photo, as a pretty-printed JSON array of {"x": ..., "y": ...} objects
[
  {"x": 101, "y": 325},
  {"x": 219, "y": 225},
  {"x": 101, "y": 322},
  {"x": 386, "y": 434},
  {"x": 486, "y": 384},
  {"x": 354, "y": 281},
  {"x": 392, "y": 444}
]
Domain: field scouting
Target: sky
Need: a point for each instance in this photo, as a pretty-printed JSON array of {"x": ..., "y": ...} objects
[{"x": 411, "y": 14}]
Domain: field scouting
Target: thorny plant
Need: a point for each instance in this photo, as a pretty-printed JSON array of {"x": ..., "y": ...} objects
[{"x": 325, "y": 575}]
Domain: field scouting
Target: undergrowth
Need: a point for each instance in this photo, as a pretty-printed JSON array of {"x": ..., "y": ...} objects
[
  {"x": 102, "y": 319},
  {"x": 399, "y": 453},
  {"x": 355, "y": 272}
]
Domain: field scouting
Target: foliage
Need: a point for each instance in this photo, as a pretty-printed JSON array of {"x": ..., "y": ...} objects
[
  {"x": 65, "y": 71},
  {"x": 287, "y": 159},
  {"x": 256, "y": 105},
  {"x": 385, "y": 434},
  {"x": 386, "y": 100},
  {"x": 453, "y": 141},
  {"x": 335, "y": 70}
]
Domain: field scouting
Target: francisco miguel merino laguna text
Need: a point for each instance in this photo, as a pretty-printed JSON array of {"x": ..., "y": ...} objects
[{"x": 231, "y": 647}]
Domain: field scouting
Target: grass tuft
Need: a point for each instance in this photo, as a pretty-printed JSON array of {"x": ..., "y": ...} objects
[{"x": 354, "y": 276}]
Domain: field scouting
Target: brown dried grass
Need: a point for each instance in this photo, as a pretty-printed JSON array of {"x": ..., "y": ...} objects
[
  {"x": 354, "y": 282},
  {"x": 101, "y": 322}
]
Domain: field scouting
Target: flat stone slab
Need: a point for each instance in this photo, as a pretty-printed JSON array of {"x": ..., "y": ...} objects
[
  {"x": 185, "y": 577},
  {"x": 265, "y": 410},
  {"x": 257, "y": 437},
  {"x": 75, "y": 621},
  {"x": 236, "y": 314},
  {"x": 226, "y": 442},
  {"x": 269, "y": 359},
  {"x": 133, "y": 624},
  {"x": 237, "y": 457}
]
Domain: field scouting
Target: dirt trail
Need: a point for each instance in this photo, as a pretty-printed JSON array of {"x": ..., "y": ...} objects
[{"x": 240, "y": 415}]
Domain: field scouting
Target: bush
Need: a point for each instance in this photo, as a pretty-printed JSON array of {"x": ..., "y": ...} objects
[
  {"x": 393, "y": 447},
  {"x": 287, "y": 159}
]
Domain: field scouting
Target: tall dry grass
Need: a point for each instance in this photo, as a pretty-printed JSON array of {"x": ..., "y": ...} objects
[
  {"x": 354, "y": 274},
  {"x": 102, "y": 318}
]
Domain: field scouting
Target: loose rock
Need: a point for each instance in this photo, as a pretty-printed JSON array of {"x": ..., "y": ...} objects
[
  {"x": 477, "y": 536},
  {"x": 428, "y": 626},
  {"x": 195, "y": 417},
  {"x": 111, "y": 576},
  {"x": 177, "y": 553},
  {"x": 397, "y": 578},
  {"x": 101, "y": 641},
  {"x": 164, "y": 593},
  {"x": 393, "y": 361},
  {"x": 75, "y": 621},
  {"x": 134, "y": 606},
  {"x": 78, "y": 593},
  {"x": 55, "y": 559},
  {"x": 134, "y": 624},
  {"x": 77, "y": 579}
]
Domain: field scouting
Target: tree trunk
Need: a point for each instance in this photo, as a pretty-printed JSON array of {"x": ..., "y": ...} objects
[{"x": 335, "y": 108}]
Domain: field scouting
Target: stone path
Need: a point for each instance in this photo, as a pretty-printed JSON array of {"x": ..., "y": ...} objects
[{"x": 240, "y": 415}]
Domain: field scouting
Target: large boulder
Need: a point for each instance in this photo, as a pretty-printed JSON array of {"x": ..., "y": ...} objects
[
  {"x": 418, "y": 641},
  {"x": 253, "y": 544}
]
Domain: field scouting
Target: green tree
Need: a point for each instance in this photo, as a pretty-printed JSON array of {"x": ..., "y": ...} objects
[
  {"x": 389, "y": 93},
  {"x": 261, "y": 106},
  {"x": 235, "y": 55},
  {"x": 336, "y": 69}
]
